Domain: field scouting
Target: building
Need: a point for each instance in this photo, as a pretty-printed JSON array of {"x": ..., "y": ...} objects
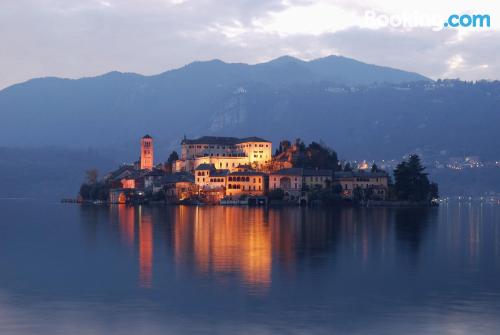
[
  {"x": 179, "y": 186},
  {"x": 120, "y": 196},
  {"x": 294, "y": 181},
  {"x": 147, "y": 153},
  {"x": 250, "y": 183},
  {"x": 374, "y": 184},
  {"x": 320, "y": 178},
  {"x": 153, "y": 180},
  {"x": 224, "y": 153}
]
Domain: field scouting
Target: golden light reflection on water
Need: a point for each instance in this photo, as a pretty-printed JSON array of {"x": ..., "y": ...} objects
[
  {"x": 126, "y": 219},
  {"x": 225, "y": 244},
  {"x": 145, "y": 250},
  {"x": 228, "y": 241}
]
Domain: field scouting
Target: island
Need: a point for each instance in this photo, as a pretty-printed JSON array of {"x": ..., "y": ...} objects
[{"x": 244, "y": 171}]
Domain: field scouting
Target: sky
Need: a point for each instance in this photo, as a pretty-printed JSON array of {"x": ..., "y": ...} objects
[{"x": 81, "y": 38}]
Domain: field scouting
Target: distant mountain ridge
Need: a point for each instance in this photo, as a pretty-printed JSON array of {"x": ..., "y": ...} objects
[
  {"x": 114, "y": 109},
  {"x": 362, "y": 111}
]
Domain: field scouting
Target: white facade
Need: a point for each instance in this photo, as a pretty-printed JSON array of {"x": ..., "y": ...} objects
[{"x": 224, "y": 153}]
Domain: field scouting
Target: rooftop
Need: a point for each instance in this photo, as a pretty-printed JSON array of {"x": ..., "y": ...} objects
[
  {"x": 221, "y": 140},
  {"x": 205, "y": 166},
  {"x": 247, "y": 173},
  {"x": 304, "y": 172},
  {"x": 360, "y": 174},
  {"x": 179, "y": 177}
]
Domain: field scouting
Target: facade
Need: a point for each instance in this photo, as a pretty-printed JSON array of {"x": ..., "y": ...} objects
[
  {"x": 224, "y": 153},
  {"x": 214, "y": 184},
  {"x": 147, "y": 153},
  {"x": 246, "y": 183},
  {"x": 294, "y": 181},
  {"x": 152, "y": 180},
  {"x": 317, "y": 178},
  {"x": 375, "y": 183},
  {"x": 179, "y": 186}
]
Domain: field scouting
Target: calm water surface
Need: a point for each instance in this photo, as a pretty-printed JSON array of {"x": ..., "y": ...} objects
[{"x": 68, "y": 269}]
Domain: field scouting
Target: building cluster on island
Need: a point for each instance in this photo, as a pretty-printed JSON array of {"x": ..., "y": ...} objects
[{"x": 229, "y": 170}]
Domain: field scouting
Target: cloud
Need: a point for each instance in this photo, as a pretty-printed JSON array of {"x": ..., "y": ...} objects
[{"x": 74, "y": 38}]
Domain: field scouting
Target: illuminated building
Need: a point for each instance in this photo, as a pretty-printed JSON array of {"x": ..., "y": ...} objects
[
  {"x": 224, "y": 153},
  {"x": 292, "y": 181},
  {"x": 374, "y": 181},
  {"x": 147, "y": 158}
]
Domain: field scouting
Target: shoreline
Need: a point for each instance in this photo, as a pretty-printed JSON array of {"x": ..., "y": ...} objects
[{"x": 269, "y": 204}]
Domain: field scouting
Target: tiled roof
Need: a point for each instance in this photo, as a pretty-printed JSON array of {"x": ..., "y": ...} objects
[
  {"x": 222, "y": 140},
  {"x": 247, "y": 173},
  {"x": 178, "y": 177},
  {"x": 360, "y": 174},
  {"x": 289, "y": 172},
  {"x": 323, "y": 173},
  {"x": 205, "y": 166},
  {"x": 304, "y": 172},
  {"x": 121, "y": 172},
  {"x": 219, "y": 173}
]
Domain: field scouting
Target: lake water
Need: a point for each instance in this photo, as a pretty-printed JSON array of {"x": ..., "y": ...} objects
[{"x": 68, "y": 269}]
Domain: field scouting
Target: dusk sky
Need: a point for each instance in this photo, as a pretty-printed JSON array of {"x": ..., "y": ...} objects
[{"x": 76, "y": 38}]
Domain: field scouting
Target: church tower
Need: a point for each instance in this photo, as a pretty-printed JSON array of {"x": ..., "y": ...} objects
[{"x": 147, "y": 153}]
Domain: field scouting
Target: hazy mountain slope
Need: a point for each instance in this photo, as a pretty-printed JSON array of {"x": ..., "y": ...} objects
[{"x": 117, "y": 107}]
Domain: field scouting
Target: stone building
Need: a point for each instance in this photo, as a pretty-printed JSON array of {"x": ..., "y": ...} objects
[{"x": 224, "y": 153}]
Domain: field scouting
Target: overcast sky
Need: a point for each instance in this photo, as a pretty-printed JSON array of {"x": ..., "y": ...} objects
[{"x": 75, "y": 38}]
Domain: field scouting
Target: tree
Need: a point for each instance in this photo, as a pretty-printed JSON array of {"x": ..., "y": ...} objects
[
  {"x": 91, "y": 176},
  {"x": 316, "y": 156},
  {"x": 375, "y": 168},
  {"x": 347, "y": 167},
  {"x": 411, "y": 181},
  {"x": 174, "y": 156}
]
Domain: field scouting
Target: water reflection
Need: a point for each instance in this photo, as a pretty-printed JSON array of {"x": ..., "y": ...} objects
[
  {"x": 223, "y": 243},
  {"x": 145, "y": 249},
  {"x": 224, "y": 269}
]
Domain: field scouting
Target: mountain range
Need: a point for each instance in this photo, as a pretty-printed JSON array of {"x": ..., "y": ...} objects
[
  {"x": 362, "y": 111},
  {"x": 213, "y": 97}
]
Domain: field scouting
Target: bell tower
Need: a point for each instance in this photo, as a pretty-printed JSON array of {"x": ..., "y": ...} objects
[{"x": 147, "y": 157}]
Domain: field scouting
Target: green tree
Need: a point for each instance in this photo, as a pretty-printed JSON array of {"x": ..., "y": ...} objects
[
  {"x": 173, "y": 157},
  {"x": 91, "y": 176},
  {"x": 347, "y": 167},
  {"x": 316, "y": 156},
  {"x": 411, "y": 181}
]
